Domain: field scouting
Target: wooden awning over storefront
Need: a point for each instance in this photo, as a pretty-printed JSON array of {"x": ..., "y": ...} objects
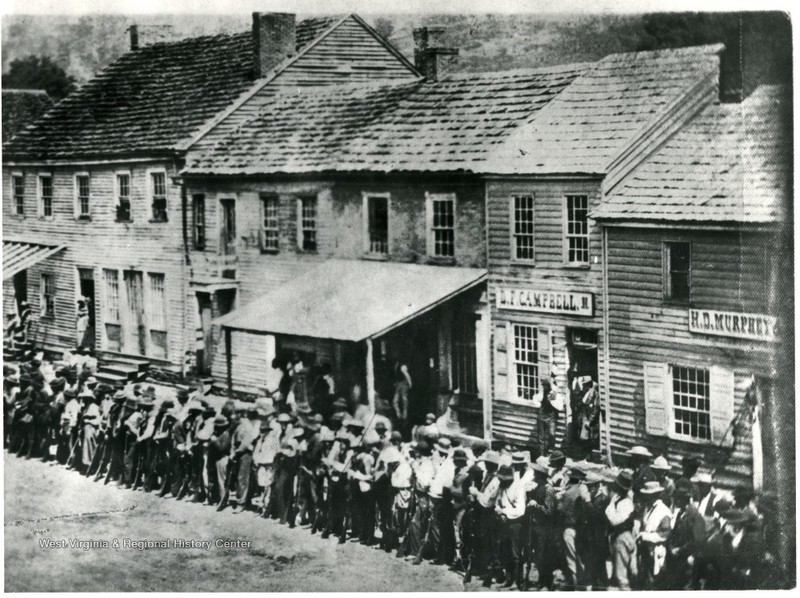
[
  {"x": 20, "y": 255},
  {"x": 352, "y": 300}
]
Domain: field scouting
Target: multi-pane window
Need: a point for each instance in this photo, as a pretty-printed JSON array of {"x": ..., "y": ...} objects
[
  {"x": 677, "y": 270},
  {"x": 111, "y": 280},
  {"x": 269, "y": 205},
  {"x": 308, "y": 223},
  {"x": 158, "y": 182},
  {"x": 465, "y": 367},
  {"x": 691, "y": 405},
  {"x": 377, "y": 224},
  {"x": 82, "y": 194},
  {"x": 46, "y": 195},
  {"x": 124, "y": 197},
  {"x": 442, "y": 221},
  {"x": 577, "y": 233},
  {"x": 526, "y": 361},
  {"x": 523, "y": 227},
  {"x": 156, "y": 316},
  {"x": 47, "y": 297},
  {"x": 199, "y": 221},
  {"x": 18, "y": 185}
]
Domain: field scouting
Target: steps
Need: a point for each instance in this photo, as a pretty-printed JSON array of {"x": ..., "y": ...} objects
[{"x": 118, "y": 370}]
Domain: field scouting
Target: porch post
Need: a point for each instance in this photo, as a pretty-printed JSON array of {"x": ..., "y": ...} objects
[
  {"x": 228, "y": 362},
  {"x": 370, "y": 377}
]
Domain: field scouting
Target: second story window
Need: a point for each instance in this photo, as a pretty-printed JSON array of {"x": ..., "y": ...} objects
[
  {"x": 522, "y": 227},
  {"x": 18, "y": 188},
  {"x": 45, "y": 195},
  {"x": 441, "y": 224},
  {"x": 47, "y": 296},
  {"x": 199, "y": 221},
  {"x": 577, "y": 229},
  {"x": 677, "y": 271},
  {"x": 307, "y": 233},
  {"x": 376, "y": 220},
  {"x": 123, "y": 188},
  {"x": 82, "y": 195},
  {"x": 270, "y": 234},
  {"x": 158, "y": 189}
]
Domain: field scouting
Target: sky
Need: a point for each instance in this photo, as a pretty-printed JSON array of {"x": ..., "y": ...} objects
[{"x": 78, "y": 7}]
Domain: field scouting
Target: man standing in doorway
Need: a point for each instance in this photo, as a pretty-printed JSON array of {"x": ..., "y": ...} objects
[{"x": 548, "y": 415}]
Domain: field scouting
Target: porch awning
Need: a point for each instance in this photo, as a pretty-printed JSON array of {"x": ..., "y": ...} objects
[
  {"x": 352, "y": 300},
  {"x": 21, "y": 255}
]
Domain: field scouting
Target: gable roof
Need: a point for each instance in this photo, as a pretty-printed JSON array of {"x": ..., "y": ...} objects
[
  {"x": 152, "y": 98},
  {"x": 21, "y": 107},
  {"x": 731, "y": 163},
  {"x": 447, "y": 126}
]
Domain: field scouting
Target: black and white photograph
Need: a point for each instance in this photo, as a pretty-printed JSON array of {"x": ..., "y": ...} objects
[{"x": 425, "y": 297}]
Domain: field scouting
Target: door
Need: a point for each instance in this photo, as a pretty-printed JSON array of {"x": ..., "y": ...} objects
[
  {"x": 86, "y": 290},
  {"x": 21, "y": 287},
  {"x": 205, "y": 349},
  {"x": 582, "y": 351},
  {"x": 228, "y": 226},
  {"x": 134, "y": 326}
]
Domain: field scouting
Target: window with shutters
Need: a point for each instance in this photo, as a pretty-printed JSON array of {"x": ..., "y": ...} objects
[
  {"x": 18, "y": 186},
  {"x": 46, "y": 195},
  {"x": 677, "y": 271},
  {"x": 111, "y": 279},
  {"x": 47, "y": 296},
  {"x": 307, "y": 218},
  {"x": 525, "y": 361},
  {"x": 376, "y": 224},
  {"x": 156, "y": 315},
  {"x": 82, "y": 195},
  {"x": 270, "y": 231},
  {"x": 522, "y": 228},
  {"x": 577, "y": 230},
  {"x": 158, "y": 196},
  {"x": 199, "y": 221},
  {"x": 691, "y": 403},
  {"x": 441, "y": 224},
  {"x": 123, "y": 196}
]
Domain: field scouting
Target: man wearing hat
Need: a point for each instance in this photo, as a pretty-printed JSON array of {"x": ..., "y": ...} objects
[
  {"x": 510, "y": 509},
  {"x": 242, "y": 444},
  {"x": 707, "y": 496},
  {"x": 661, "y": 469},
  {"x": 157, "y": 456},
  {"x": 423, "y": 469},
  {"x": 459, "y": 492},
  {"x": 91, "y": 417},
  {"x": 558, "y": 474},
  {"x": 69, "y": 420},
  {"x": 439, "y": 524},
  {"x": 543, "y": 506},
  {"x": 640, "y": 458},
  {"x": 685, "y": 540},
  {"x": 428, "y": 431},
  {"x": 620, "y": 516},
  {"x": 547, "y": 418},
  {"x": 132, "y": 426},
  {"x": 656, "y": 524},
  {"x": 573, "y": 502},
  {"x": 264, "y": 452},
  {"x": 143, "y": 451},
  {"x": 118, "y": 435}
]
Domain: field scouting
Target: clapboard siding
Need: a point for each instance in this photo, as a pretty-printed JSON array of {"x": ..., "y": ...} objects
[
  {"x": 150, "y": 247},
  {"x": 547, "y": 272},
  {"x": 349, "y": 54},
  {"x": 728, "y": 274}
]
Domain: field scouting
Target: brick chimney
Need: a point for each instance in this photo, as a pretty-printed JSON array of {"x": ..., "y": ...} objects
[
  {"x": 134, "y": 31},
  {"x": 431, "y": 56},
  {"x": 731, "y": 79},
  {"x": 274, "y": 40}
]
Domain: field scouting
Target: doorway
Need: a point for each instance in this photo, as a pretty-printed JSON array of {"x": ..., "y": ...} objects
[
  {"x": 20, "y": 287},
  {"x": 227, "y": 226},
  {"x": 86, "y": 291},
  {"x": 205, "y": 349},
  {"x": 135, "y": 332},
  {"x": 582, "y": 382}
]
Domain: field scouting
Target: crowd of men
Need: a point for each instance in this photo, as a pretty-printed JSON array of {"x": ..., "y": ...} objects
[{"x": 490, "y": 512}]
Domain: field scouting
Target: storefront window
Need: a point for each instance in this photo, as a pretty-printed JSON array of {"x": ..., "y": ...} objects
[
  {"x": 691, "y": 404},
  {"x": 526, "y": 361}
]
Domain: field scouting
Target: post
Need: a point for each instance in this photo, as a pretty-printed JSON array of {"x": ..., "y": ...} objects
[
  {"x": 606, "y": 396},
  {"x": 228, "y": 361},
  {"x": 370, "y": 377}
]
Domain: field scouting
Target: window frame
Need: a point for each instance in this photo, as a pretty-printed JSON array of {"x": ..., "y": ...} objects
[
  {"x": 512, "y": 227},
  {"x": 151, "y": 194},
  {"x": 301, "y": 228},
  {"x": 566, "y": 236},
  {"x": 670, "y": 381},
  {"x": 118, "y": 196},
  {"x": 43, "y": 303},
  {"x": 365, "y": 197},
  {"x": 40, "y": 195},
  {"x": 666, "y": 274},
  {"x": 264, "y": 198},
  {"x": 79, "y": 215},
  {"x": 198, "y": 244},
  {"x": 511, "y": 347},
  {"x": 430, "y": 229},
  {"x": 109, "y": 306},
  {"x": 16, "y": 205}
]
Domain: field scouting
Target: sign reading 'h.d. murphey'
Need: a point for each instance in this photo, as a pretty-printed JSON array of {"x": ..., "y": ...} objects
[
  {"x": 730, "y": 323},
  {"x": 558, "y": 302}
]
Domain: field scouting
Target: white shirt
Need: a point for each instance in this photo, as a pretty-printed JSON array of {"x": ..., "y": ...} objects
[
  {"x": 443, "y": 478},
  {"x": 511, "y": 501}
]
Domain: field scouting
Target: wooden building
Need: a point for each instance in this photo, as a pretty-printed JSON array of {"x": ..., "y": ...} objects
[{"x": 91, "y": 204}]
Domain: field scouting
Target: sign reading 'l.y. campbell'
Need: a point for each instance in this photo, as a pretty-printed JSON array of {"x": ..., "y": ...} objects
[
  {"x": 558, "y": 302},
  {"x": 735, "y": 324}
]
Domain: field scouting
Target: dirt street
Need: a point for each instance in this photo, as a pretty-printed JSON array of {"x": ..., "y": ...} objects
[{"x": 48, "y": 503}]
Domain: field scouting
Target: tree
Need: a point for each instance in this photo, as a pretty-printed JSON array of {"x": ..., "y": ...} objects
[
  {"x": 38, "y": 72},
  {"x": 384, "y": 26}
]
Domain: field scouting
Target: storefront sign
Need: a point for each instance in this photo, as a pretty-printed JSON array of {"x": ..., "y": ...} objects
[
  {"x": 730, "y": 323},
  {"x": 556, "y": 302}
]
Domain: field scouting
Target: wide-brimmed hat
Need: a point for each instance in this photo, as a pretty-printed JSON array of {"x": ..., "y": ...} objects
[
  {"x": 146, "y": 403},
  {"x": 340, "y": 403},
  {"x": 380, "y": 425},
  {"x": 70, "y": 393},
  {"x": 326, "y": 435},
  {"x": 371, "y": 438},
  {"x": 505, "y": 473},
  {"x": 354, "y": 423},
  {"x": 194, "y": 407},
  {"x": 58, "y": 384},
  {"x": 342, "y": 436},
  {"x": 396, "y": 437},
  {"x": 221, "y": 421},
  {"x": 284, "y": 418},
  {"x": 339, "y": 416},
  {"x": 132, "y": 403},
  {"x": 182, "y": 394},
  {"x": 288, "y": 448},
  {"x": 703, "y": 478},
  {"x": 660, "y": 463},
  {"x": 519, "y": 458},
  {"x": 639, "y": 451},
  {"x": 266, "y": 411},
  {"x": 310, "y": 424},
  {"x": 443, "y": 445},
  {"x": 624, "y": 481},
  {"x": 539, "y": 468},
  {"x": 651, "y": 487},
  {"x": 86, "y": 393},
  {"x": 459, "y": 454},
  {"x": 557, "y": 458},
  {"x": 592, "y": 477},
  {"x": 91, "y": 381},
  {"x": 166, "y": 405},
  {"x": 119, "y": 396},
  {"x": 490, "y": 457}
]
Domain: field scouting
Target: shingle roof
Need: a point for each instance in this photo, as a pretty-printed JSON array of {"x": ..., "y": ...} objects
[
  {"x": 151, "y": 98},
  {"x": 21, "y": 107},
  {"x": 451, "y": 125},
  {"x": 593, "y": 120},
  {"x": 731, "y": 163}
]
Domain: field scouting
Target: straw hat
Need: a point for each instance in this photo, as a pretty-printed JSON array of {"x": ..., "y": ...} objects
[{"x": 651, "y": 487}]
